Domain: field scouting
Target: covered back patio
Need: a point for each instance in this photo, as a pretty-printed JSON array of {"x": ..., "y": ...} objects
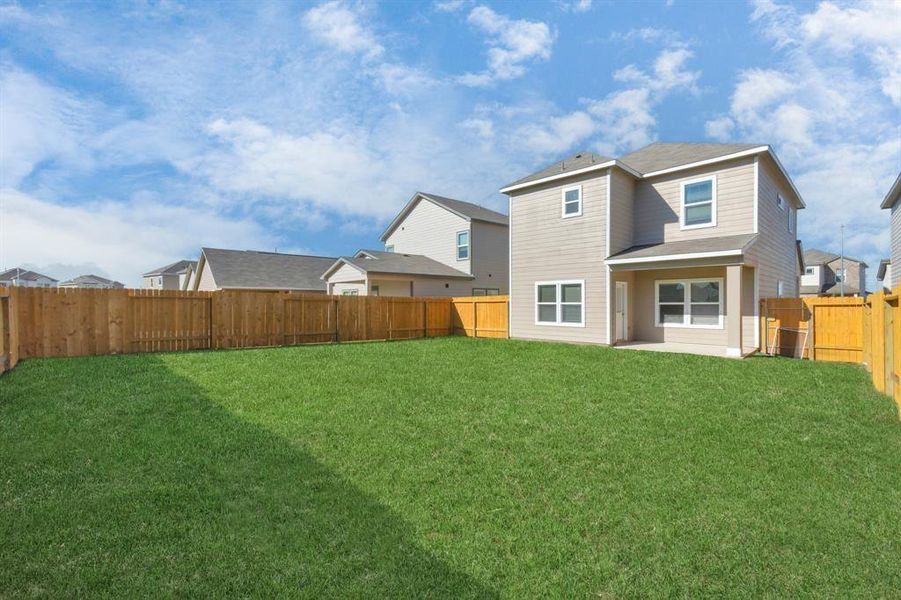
[{"x": 696, "y": 297}]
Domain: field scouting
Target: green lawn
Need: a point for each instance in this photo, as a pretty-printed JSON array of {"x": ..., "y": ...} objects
[{"x": 447, "y": 467}]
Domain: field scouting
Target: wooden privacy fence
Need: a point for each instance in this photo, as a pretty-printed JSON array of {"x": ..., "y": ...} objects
[
  {"x": 857, "y": 330},
  {"x": 37, "y": 322}
]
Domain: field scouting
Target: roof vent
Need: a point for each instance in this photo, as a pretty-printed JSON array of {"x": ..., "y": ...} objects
[{"x": 578, "y": 156}]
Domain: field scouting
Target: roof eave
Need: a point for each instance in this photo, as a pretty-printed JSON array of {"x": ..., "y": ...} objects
[{"x": 893, "y": 194}]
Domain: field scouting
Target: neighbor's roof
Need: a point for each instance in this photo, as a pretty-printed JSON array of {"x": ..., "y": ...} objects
[
  {"x": 173, "y": 269},
  {"x": 729, "y": 245},
  {"x": 251, "y": 269},
  {"x": 893, "y": 193},
  {"x": 396, "y": 263},
  {"x": 466, "y": 210},
  {"x": 815, "y": 257},
  {"x": 91, "y": 279},
  {"x": 23, "y": 274},
  {"x": 653, "y": 159},
  {"x": 883, "y": 265}
]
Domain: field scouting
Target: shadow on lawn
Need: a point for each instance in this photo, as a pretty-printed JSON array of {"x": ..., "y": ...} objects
[{"x": 162, "y": 490}]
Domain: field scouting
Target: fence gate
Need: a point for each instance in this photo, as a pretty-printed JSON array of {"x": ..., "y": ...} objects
[{"x": 838, "y": 331}]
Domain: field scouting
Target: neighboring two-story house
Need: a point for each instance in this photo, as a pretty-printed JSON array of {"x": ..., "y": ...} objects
[
  {"x": 893, "y": 280},
  {"x": 170, "y": 277},
  {"x": 436, "y": 246},
  {"x": 830, "y": 274},
  {"x": 672, "y": 246}
]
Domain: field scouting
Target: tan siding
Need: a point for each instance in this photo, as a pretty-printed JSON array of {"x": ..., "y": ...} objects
[
  {"x": 856, "y": 274},
  {"x": 490, "y": 252},
  {"x": 749, "y": 310},
  {"x": 775, "y": 251},
  {"x": 896, "y": 245},
  {"x": 547, "y": 247},
  {"x": 339, "y": 288},
  {"x": 431, "y": 231},
  {"x": 644, "y": 317},
  {"x": 391, "y": 287},
  {"x": 658, "y": 202},
  {"x": 205, "y": 282},
  {"x": 622, "y": 196}
]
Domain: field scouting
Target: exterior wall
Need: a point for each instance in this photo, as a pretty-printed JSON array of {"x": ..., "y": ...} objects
[
  {"x": 489, "y": 248},
  {"x": 658, "y": 203},
  {"x": 816, "y": 278},
  {"x": 205, "y": 281},
  {"x": 338, "y": 289},
  {"x": 391, "y": 287},
  {"x": 622, "y": 211},
  {"x": 888, "y": 278},
  {"x": 432, "y": 231},
  {"x": 644, "y": 317},
  {"x": 896, "y": 245},
  {"x": 775, "y": 251},
  {"x": 856, "y": 275},
  {"x": 162, "y": 282},
  {"x": 41, "y": 283},
  {"x": 547, "y": 247}
]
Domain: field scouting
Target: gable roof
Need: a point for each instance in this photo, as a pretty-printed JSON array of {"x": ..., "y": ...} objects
[
  {"x": 814, "y": 257},
  {"x": 396, "y": 263},
  {"x": 466, "y": 210},
  {"x": 91, "y": 280},
  {"x": 652, "y": 160},
  {"x": 251, "y": 269},
  {"x": 23, "y": 274},
  {"x": 893, "y": 194},
  {"x": 660, "y": 156},
  {"x": 173, "y": 269},
  {"x": 568, "y": 166}
]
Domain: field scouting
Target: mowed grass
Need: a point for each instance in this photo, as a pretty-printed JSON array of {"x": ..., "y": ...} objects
[{"x": 447, "y": 467}]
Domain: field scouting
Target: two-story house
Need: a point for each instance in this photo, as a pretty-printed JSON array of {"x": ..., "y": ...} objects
[
  {"x": 670, "y": 246},
  {"x": 170, "y": 277},
  {"x": 893, "y": 278},
  {"x": 435, "y": 246},
  {"x": 830, "y": 274}
]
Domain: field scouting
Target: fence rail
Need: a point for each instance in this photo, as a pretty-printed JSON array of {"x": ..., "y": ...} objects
[{"x": 47, "y": 322}]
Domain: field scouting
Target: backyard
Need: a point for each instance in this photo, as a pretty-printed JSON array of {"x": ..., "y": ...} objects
[{"x": 447, "y": 467}]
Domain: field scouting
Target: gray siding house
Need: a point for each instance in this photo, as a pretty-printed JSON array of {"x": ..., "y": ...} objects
[
  {"x": 830, "y": 274},
  {"x": 92, "y": 282},
  {"x": 891, "y": 202},
  {"x": 435, "y": 246},
  {"x": 670, "y": 246},
  {"x": 170, "y": 277}
]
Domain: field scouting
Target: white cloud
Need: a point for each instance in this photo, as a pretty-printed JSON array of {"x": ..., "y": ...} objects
[
  {"x": 576, "y": 6},
  {"x": 830, "y": 107},
  {"x": 39, "y": 123},
  {"x": 340, "y": 26},
  {"x": 450, "y": 5},
  {"x": 512, "y": 43},
  {"x": 116, "y": 239},
  {"x": 557, "y": 134}
]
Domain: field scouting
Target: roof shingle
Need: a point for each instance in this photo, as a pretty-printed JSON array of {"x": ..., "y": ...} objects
[{"x": 250, "y": 269}]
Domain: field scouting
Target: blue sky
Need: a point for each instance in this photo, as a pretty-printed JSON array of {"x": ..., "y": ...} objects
[{"x": 132, "y": 134}]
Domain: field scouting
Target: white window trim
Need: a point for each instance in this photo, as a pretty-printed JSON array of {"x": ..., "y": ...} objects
[
  {"x": 558, "y": 302},
  {"x": 712, "y": 180},
  {"x": 792, "y": 219},
  {"x": 781, "y": 204},
  {"x": 466, "y": 245},
  {"x": 686, "y": 303},
  {"x": 563, "y": 201},
  {"x": 780, "y": 288}
]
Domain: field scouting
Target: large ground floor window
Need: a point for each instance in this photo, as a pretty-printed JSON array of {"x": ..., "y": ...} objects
[
  {"x": 560, "y": 303},
  {"x": 689, "y": 303}
]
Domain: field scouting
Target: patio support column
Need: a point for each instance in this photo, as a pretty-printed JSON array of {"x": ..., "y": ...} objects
[{"x": 733, "y": 310}]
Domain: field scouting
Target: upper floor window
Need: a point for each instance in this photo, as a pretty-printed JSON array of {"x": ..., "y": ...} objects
[
  {"x": 780, "y": 201},
  {"x": 572, "y": 201},
  {"x": 389, "y": 248},
  {"x": 699, "y": 203},
  {"x": 781, "y": 289},
  {"x": 839, "y": 275},
  {"x": 462, "y": 245},
  {"x": 808, "y": 271},
  {"x": 792, "y": 219}
]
